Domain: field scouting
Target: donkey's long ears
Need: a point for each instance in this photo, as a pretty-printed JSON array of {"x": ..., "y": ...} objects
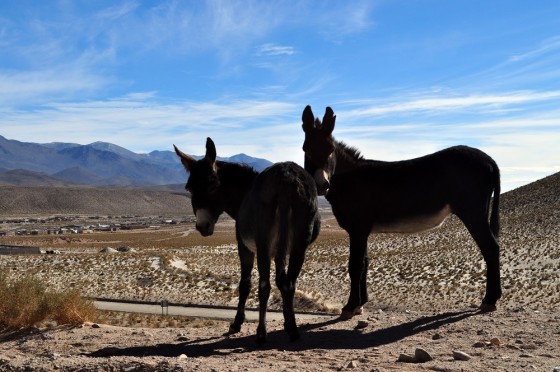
[
  {"x": 210, "y": 151},
  {"x": 328, "y": 121},
  {"x": 308, "y": 119},
  {"x": 187, "y": 160}
]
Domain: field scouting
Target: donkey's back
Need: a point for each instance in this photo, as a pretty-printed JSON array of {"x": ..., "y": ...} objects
[{"x": 280, "y": 207}]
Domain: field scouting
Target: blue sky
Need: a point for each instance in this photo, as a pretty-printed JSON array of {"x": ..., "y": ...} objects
[{"x": 404, "y": 77}]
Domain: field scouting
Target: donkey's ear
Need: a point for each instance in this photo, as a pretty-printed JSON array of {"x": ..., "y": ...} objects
[
  {"x": 308, "y": 119},
  {"x": 188, "y": 161},
  {"x": 210, "y": 151},
  {"x": 328, "y": 121}
]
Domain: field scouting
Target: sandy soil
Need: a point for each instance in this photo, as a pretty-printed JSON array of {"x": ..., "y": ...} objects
[{"x": 518, "y": 340}]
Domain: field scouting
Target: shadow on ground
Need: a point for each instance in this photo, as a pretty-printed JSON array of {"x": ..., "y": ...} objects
[{"x": 314, "y": 336}]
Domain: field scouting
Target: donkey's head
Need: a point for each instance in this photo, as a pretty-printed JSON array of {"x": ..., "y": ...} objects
[
  {"x": 319, "y": 146},
  {"x": 204, "y": 186}
]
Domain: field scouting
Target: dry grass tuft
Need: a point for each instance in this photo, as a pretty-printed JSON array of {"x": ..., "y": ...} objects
[{"x": 26, "y": 301}]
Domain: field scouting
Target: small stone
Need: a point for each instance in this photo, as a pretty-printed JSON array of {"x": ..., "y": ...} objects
[
  {"x": 95, "y": 325},
  {"x": 406, "y": 358},
  {"x": 479, "y": 344},
  {"x": 495, "y": 341},
  {"x": 182, "y": 356},
  {"x": 437, "y": 336},
  {"x": 460, "y": 355},
  {"x": 362, "y": 324},
  {"x": 353, "y": 364},
  {"x": 519, "y": 342},
  {"x": 526, "y": 355},
  {"x": 422, "y": 355},
  {"x": 182, "y": 338}
]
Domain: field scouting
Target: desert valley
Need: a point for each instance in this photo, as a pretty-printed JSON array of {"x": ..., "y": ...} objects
[{"x": 424, "y": 289}]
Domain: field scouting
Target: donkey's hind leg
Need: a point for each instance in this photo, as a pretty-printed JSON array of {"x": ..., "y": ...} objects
[
  {"x": 482, "y": 234},
  {"x": 286, "y": 283},
  {"x": 246, "y": 259},
  {"x": 263, "y": 264}
]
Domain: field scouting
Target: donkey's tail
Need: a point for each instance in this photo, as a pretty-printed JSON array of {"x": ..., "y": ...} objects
[
  {"x": 495, "y": 216},
  {"x": 284, "y": 224}
]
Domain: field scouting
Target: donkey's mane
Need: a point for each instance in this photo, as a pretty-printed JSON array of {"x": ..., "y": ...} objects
[
  {"x": 350, "y": 152},
  {"x": 228, "y": 167}
]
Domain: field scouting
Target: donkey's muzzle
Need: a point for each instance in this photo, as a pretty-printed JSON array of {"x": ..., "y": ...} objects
[
  {"x": 322, "y": 181},
  {"x": 205, "y": 229},
  {"x": 204, "y": 222}
]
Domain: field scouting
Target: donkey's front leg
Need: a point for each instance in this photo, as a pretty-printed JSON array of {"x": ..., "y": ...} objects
[
  {"x": 356, "y": 270},
  {"x": 246, "y": 259}
]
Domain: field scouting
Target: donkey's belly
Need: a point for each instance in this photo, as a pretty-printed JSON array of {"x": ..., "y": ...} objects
[{"x": 413, "y": 224}]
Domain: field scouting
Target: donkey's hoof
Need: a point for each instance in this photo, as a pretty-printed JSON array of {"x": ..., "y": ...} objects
[
  {"x": 233, "y": 328},
  {"x": 346, "y": 315},
  {"x": 261, "y": 340},
  {"x": 486, "y": 308}
]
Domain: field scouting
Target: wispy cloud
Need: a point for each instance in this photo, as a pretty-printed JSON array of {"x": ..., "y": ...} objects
[
  {"x": 270, "y": 49},
  {"x": 548, "y": 45},
  {"x": 438, "y": 104}
]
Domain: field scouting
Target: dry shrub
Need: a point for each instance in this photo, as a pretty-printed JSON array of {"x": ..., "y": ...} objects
[{"x": 26, "y": 301}]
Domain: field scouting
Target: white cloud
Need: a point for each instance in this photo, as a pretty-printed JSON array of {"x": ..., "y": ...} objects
[
  {"x": 270, "y": 49},
  {"x": 442, "y": 103}
]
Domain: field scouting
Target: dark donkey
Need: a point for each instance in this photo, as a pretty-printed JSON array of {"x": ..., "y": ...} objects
[
  {"x": 276, "y": 218},
  {"x": 403, "y": 197}
]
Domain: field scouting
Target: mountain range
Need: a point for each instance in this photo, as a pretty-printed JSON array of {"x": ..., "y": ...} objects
[{"x": 95, "y": 164}]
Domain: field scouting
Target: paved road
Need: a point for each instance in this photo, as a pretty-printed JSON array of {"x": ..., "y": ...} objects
[{"x": 192, "y": 311}]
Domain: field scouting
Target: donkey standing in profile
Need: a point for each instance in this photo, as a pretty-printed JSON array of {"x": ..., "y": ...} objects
[
  {"x": 276, "y": 218},
  {"x": 403, "y": 197}
]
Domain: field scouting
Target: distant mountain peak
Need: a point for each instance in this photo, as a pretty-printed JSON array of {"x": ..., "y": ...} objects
[{"x": 98, "y": 163}]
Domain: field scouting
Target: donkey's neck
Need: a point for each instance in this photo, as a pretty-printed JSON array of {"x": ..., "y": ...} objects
[
  {"x": 236, "y": 180},
  {"x": 346, "y": 158}
]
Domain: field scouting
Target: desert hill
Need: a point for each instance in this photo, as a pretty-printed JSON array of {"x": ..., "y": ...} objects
[{"x": 41, "y": 201}]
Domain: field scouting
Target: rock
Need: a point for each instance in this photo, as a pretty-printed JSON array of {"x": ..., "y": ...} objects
[
  {"x": 519, "y": 342},
  {"x": 406, "y": 358},
  {"x": 362, "y": 324},
  {"x": 479, "y": 344},
  {"x": 437, "y": 336},
  {"x": 95, "y": 325},
  {"x": 460, "y": 355},
  {"x": 182, "y": 338},
  {"x": 422, "y": 355},
  {"x": 353, "y": 364},
  {"x": 182, "y": 356},
  {"x": 495, "y": 341}
]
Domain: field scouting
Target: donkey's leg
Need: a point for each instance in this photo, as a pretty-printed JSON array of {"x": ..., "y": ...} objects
[
  {"x": 288, "y": 290},
  {"x": 358, "y": 249},
  {"x": 246, "y": 259},
  {"x": 482, "y": 234},
  {"x": 263, "y": 264},
  {"x": 363, "y": 286}
]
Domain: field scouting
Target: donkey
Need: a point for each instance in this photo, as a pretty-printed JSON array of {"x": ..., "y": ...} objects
[
  {"x": 276, "y": 217},
  {"x": 406, "y": 196}
]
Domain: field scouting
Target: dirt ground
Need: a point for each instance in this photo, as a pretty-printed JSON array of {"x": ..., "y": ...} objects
[{"x": 512, "y": 340}]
